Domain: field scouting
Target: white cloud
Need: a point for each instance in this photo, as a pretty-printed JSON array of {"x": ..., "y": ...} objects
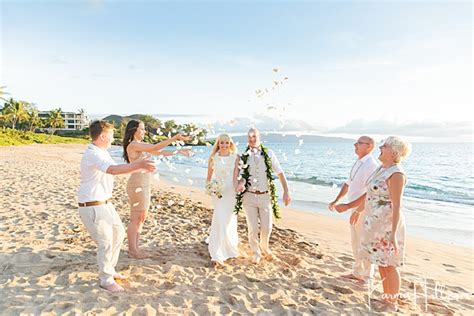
[
  {"x": 58, "y": 60},
  {"x": 461, "y": 130}
]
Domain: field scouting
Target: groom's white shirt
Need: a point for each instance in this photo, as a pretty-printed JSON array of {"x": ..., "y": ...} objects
[
  {"x": 96, "y": 183},
  {"x": 361, "y": 170}
]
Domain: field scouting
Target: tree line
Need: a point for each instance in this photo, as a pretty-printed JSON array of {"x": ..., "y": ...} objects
[
  {"x": 22, "y": 115},
  {"x": 157, "y": 130}
]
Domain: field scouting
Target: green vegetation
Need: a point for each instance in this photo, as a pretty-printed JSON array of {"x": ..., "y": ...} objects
[
  {"x": 20, "y": 119},
  {"x": 9, "y": 137},
  {"x": 22, "y": 115},
  {"x": 157, "y": 130}
]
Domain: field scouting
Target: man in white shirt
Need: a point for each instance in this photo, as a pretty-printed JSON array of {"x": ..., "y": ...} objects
[
  {"x": 257, "y": 200},
  {"x": 96, "y": 212},
  {"x": 355, "y": 188}
]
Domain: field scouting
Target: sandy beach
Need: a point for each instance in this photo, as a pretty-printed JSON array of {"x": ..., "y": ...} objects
[{"x": 49, "y": 266}]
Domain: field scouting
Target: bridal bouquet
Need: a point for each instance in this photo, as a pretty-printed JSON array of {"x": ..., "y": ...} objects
[{"x": 214, "y": 187}]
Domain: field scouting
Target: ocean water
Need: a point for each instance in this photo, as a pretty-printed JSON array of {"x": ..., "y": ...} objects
[{"x": 438, "y": 200}]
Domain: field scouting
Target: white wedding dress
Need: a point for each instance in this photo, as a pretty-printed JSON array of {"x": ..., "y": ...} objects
[{"x": 223, "y": 238}]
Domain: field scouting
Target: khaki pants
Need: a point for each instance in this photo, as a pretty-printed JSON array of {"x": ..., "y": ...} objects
[
  {"x": 362, "y": 268},
  {"x": 106, "y": 229},
  {"x": 258, "y": 209}
]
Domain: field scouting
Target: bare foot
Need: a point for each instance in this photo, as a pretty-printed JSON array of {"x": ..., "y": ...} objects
[
  {"x": 113, "y": 288},
  {"x": 269, "y": 257},
  {"x": 139, "y": 254},
  {"x": 256, "y": 259}
]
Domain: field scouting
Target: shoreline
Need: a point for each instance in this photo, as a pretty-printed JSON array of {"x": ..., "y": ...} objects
[{"x": 320, "y": 208}]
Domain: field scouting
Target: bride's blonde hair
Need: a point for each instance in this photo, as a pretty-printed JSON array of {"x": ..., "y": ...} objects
[{"x": 220, "y": 138}]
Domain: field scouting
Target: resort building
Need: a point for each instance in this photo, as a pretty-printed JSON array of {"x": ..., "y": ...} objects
[{"x": 72, "y": 120}]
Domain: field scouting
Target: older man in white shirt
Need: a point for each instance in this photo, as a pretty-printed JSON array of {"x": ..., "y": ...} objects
[{"x": 355, "y": 189}]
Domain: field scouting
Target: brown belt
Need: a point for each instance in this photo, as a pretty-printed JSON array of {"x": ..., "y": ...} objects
[
  {"x": 92, "y": 203},
  {"x": 258, "y": 192}
]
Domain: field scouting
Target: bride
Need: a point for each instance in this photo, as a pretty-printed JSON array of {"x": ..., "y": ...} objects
[{"x": 223, "y": 238}]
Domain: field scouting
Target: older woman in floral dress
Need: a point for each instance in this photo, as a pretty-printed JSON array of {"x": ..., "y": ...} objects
[{"x": 383, "y": 236}]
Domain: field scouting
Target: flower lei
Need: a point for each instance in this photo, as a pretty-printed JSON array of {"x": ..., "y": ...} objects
[{"x": 246, "y": 176}]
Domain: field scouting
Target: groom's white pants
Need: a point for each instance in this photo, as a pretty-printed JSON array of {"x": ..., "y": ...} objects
[
  {"x": 106, "y": 229},
  {"x": 362, "y": 267},
  {"x": 258, "y": 209}
]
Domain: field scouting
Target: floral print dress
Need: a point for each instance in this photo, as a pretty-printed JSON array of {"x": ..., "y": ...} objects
[{"x": 375, "y": 245}]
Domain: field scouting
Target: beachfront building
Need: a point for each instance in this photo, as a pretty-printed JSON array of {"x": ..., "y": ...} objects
[{"x": 72, "y": 120}]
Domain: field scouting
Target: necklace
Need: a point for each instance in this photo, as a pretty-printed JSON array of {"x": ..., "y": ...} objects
[{"x": 357, "y": 170}]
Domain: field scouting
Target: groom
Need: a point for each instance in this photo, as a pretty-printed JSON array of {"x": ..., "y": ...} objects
[{"x": 254, "y": 183}]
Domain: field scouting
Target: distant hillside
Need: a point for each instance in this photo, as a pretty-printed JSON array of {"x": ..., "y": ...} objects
[{"x": 117, "y": 119}]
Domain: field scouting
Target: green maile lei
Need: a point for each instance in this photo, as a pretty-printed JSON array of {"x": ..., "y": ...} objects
[{"x": 246, "y": 176}]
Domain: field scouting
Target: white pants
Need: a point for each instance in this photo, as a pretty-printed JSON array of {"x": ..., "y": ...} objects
[
  {"x": 106, "y": 229},
  {"x": 258, "y": 208},
  {"x": 362, "y": 268}
]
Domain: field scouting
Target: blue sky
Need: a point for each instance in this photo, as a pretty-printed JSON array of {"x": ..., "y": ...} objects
[{"x": 350, "y": 65}]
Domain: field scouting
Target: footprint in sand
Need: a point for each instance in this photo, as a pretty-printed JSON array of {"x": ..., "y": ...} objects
[
  {"x": 330, "y": 296},
  {"x": 346, "y": 259},
  {"x": 342, "y": 290},
  {"x": 448, "y": 265},
  {"x": 292, "y": 260},
  {"x": 312, "y": 285}
]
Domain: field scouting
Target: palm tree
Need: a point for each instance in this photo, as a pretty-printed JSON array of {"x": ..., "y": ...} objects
[
  {"x": 2, "y": 93},
  {"x": 55, "y": 120},
  {"x": 15, "y": 111},
  {"x": 83, "y": 117},
  {"x": 34, "y": 120},
  {"x": 3, "y": 119},
  {"x": 82, "y": 113}
]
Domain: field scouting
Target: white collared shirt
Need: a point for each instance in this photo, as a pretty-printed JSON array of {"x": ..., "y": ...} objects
[
  {"x": 96, "y": 184},
  {"x": 361, "y": 170}
]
